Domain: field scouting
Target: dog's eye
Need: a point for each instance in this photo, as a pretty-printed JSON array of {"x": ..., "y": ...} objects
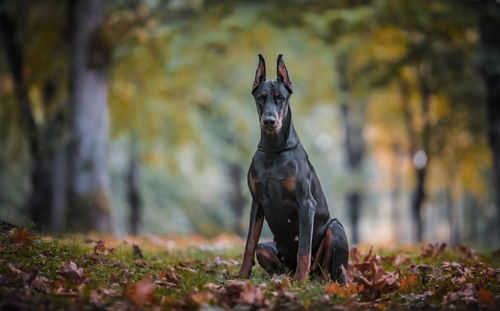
[
  {"x": 262, "y": 97},
  {"x": 280, "y": 98}
]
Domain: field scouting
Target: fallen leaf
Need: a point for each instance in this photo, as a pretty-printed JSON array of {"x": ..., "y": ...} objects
[
  {"x": 142, "y": 292},
  {"x": 335, "y": 289},
  {"x": 485, "y": 298},
  {"x": 433, "y": 250},
  {"x": 26, "y": 276},
  {"x": 211, "y": 286},
  {"x": 41, "y": 284},
  {"x": 401, "y": 260},
  {"x": 100, "y": 248},
  {"x": 466, "y": 294},
  {"x": 282, "y": 280},
  {"x": 307, "y": 304},
  {"x": 252, "y": 295},
  {"x": 203, "y": 298},
  {"x": 468, "y": 253},
  {"x": 71, "y": 272},
  {"x": 96, "y": 296},
  {"x": 408, "y": 282},
  {"x": 353, "y": 254},
  {"x": 171, "y": 276},
  {"x": 21, "y": 237},
  {"x": 190, "y": 270}
]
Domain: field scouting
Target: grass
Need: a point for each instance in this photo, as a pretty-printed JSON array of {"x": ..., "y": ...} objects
[{"x": 117, "y": 277}]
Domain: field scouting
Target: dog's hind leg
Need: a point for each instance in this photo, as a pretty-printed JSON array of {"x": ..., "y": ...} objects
[
  {"x": 268, "y": 258},
  {"x": 333, "y": 252},
  {"x": 339, "y": 251}
]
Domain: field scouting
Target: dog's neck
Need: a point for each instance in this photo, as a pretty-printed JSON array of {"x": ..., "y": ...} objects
[{"x": 285, "y": 139}]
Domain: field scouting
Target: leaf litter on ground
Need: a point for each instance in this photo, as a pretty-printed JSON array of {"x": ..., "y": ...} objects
[{"x": 148, "y": 273}]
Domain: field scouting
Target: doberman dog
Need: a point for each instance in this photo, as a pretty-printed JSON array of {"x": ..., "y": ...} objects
[{"x": 286, "y": 192}]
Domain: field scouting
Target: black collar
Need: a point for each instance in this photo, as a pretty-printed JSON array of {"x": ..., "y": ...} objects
[{"x": 284, "y": 148}]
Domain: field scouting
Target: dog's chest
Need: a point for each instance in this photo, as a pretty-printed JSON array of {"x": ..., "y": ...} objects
[{"x": 273, "y": 182}]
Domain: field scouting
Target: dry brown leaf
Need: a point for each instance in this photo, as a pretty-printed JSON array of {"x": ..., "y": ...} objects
[
  {"x": 100, "y": 248},
  {"x": 408, "y": 282},
  {"x": 433, "y": 250},
  {"x": 211, "y": 286},
  {"x": 468, "y": 253},
  {"x": 142, "y": 293},
  {"x": 281, "y": 280},
  {"x": 203, "y": 298},
  {"x": 252, "y": 295},
  {"x": 466, "y": 294},
  {"x": 21, "y": 237},
  {"x": 41, "y": 284},
  {"x": 233, "y": 290},
  {"x": 72, "y": 273},
  {"x": 485, "y": 298},
  {"x": 171, "y": 276},
  {"x": 26, "y": 276},
  {"x": 335, "y": 289},
  {"x": 367, "y": 277},
  {"x": 401, "y": 260},
  {"x": 353, "y": 254},
  {"x": 96, "y": 296}
]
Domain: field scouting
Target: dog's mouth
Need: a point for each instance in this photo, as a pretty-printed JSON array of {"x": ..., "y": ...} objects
[{"x": 271, "y": 129}]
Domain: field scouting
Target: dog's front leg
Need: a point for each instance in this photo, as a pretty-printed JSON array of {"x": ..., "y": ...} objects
[
  {"x": 256, "y": 222},
  {"x": 306, "y": 223}
]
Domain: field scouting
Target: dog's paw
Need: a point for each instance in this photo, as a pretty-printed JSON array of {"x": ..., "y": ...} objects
[
  {"x": 301, "y": 276},
  {"x": 244, "y": 274}
]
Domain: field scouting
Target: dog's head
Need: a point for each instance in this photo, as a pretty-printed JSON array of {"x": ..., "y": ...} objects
[{"x": 272, "y": 96}]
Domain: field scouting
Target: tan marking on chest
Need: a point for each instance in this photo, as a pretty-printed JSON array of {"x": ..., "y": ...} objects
[
  {"x": 289, "y": 182},
  {"x": 252, "y": 183}
]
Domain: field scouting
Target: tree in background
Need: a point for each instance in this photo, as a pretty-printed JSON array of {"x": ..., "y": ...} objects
[
  {"x": 353, "y": 118},
  {"x": 411, "y": 66},
  {"x": 133, "y": 193},
  {"x": 432, "y": 68},
  {"x": 489, "y": 25},
  {"x": 90, "y": 58},
  {"x": 38, "y": 94}
]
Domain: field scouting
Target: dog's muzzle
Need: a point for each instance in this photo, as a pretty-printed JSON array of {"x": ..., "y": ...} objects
[{"x": 270, "y": 124}]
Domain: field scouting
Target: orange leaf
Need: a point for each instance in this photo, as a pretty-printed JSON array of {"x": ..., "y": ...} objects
[
  {"x": 335, "y": 289},
  {"x": 486, "y": 298},
  {"x": 408, "y": 282},
  {"x": 100, "y": 248},
  {"x": 142, "y": 292},
  {"x": 22, "y": 237}
]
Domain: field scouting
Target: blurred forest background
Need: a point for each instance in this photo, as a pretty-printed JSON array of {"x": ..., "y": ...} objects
[{"x": 136, "y": 116}]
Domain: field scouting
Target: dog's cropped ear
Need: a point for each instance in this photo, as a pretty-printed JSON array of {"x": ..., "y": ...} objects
[
  {"x": 283, "y": 74},
  {"x": 260, "y": 73}
]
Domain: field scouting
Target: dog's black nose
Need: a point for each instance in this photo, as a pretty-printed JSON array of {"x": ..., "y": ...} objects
[{"x": 269, "y": 120}]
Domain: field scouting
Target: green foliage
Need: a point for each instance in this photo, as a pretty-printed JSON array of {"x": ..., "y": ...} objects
[{"x": 179, "y": 91}]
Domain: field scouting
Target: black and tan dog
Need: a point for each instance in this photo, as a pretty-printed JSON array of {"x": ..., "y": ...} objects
[{"x": 287, "y": 193}]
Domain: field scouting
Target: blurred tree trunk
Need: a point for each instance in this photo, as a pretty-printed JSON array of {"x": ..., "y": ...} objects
[
  {"x": 237, "y": 200},
  {"x": 59, "y": 171},
  {"x": 133, "y": 194},
  {"x": 396, "y": 180},
  {"x": 54, "y": 136},
  {"x": 416, "y": 204},
  {"x": 89, "y": 178},
  {"x": 471, "y": 216},
  {"x": 39, "y": 200},
  {"x": 354, "y": 147},
  {"x": 454, "y": 238},
  {"x": 420, "y": 155},
  {"x": 490, "y": 64}
]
